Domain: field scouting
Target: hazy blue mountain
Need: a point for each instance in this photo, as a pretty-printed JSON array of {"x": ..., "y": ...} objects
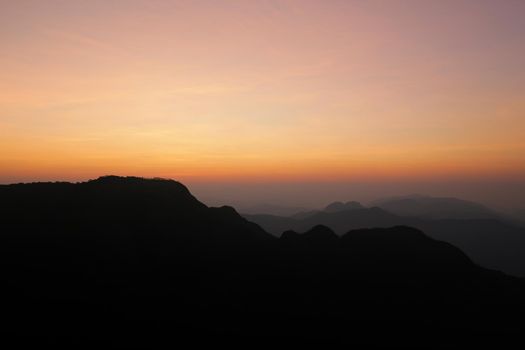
[
  {"x": 339, "y": 221},
  {"x": 271, "y": 209},
  {"x": 436, "y": 207},
  {"x": 340, "y": 206},
  {"x": 297, "y": 212},
  {"x": 330, "y": 208}
]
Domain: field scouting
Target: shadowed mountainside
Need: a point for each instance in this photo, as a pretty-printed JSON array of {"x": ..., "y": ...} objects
[{"x": 129, "y": 262}]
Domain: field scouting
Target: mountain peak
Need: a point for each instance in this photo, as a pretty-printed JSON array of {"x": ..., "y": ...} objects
[
  {"x": 321, "y": 232},
  {"x": 340, "y": 206}
]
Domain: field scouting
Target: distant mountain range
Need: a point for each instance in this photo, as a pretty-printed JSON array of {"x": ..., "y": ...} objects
[
  {"x": 416, "y": 205},
  {"x": 436, "y": 207},
  {"x": 134, "y": 263},
  {"x": 487, "y": 237},
  {"x": 331, "y": 208},
  {"x": 272, "y": 209}
]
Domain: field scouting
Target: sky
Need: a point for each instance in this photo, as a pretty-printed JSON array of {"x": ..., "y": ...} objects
[{"x": 258, "y": 100}]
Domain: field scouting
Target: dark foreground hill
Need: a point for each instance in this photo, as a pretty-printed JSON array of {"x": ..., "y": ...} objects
[{"x": 128, "y": 262}]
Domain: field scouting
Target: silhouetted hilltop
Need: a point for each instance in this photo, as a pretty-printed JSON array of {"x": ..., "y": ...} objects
[
  {"x": 336, "y": 220},
  {"x": 131, "y": 262},
  {"x": 399, "y": 248},
  {"x": 113, "y": 205}
]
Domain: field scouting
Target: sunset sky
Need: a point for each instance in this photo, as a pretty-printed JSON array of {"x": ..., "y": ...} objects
[{"x": 264, "y": 91}]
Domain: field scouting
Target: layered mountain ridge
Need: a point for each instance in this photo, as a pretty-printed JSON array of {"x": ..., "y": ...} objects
[
  {"x": 490, "y": 241},
  {"x": 132, "y": 262}
]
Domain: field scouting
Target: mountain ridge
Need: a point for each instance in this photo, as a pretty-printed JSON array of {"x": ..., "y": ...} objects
[
  {"x": 430, "y": 207},
  {"x": 132, "y": 262},
  {"x": 490, "y": 242}
]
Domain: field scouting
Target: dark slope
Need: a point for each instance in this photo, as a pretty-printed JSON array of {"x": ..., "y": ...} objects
[
  {"x": 128, "y": 262},
  {"x": 489, "y": 242}
]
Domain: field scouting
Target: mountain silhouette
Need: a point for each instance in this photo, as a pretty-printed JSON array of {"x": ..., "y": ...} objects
[
  {"x": 316, "y": 237},
  {"x": 121, "y": 206},
  {"x": 339, "y": 221},
  {"x": 489, "y": 242},
  {"x": 340, "y": 206},
  {"x": 133, "y": 263}
]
